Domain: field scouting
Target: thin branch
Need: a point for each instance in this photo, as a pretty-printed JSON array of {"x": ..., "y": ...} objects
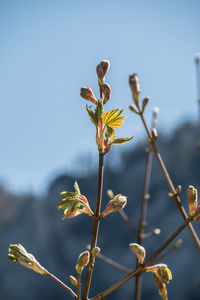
[
  {"x": 144, "y": 203},
  {"x": 170, "y": 184},
  {"x": 95, "y": 227},
  {"x": 62, "y": 284},
  {"x": 113, "y": 263},
  {"x": 79, "y": 287},
  {"x": 141, "y": 268},
  {"x": 169, "y": 251}
]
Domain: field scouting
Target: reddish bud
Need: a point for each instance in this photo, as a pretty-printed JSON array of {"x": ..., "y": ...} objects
[
  {"x": 161, "y": 271},
  {"x": 102, "y": 69},
  {"x": 87, "y": 94},
  {"x": 106, "y": 91},
  {"x": 135, "y": 87},
  {"x": 192, "y": 199},
  {"x": 117, "y": 203}
]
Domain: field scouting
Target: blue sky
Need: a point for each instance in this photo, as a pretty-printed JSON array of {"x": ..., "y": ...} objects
[{"x": 49, "y": 49}]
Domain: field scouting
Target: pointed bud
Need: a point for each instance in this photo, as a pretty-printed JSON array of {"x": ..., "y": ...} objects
[
  {"x": 178, "y": 189},
  {"x": 161, "y": 271},
  {"x": 18, "y": 254},
  {"x": 83, "y": 260},
  {"x": 155, "y": 111},
  {"x": 192, "y": 199},
  {"x": 73, "y": 280},
  {"x": 106, "y": 91},
  {"x": 102, "y": 69},
  {"x": 133, "y": 108},
  {"x": 88, "y": 94},
  {"x": 139, "y": 251},
  {"x": 144, "y": 103},
  {"x": 110, "y": 194},
  {"x": 154, "y": 133},
  {"x": 95, "y": 251},
  {"x": 135, "y": 87},
  {"x": 117, "y": 203}
]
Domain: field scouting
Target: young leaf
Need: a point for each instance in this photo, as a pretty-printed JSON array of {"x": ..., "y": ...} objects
[
  {"x": 76, "y": 187},
  {"x": 92, "y": 116},
  {"x": 121, "y": 140}
]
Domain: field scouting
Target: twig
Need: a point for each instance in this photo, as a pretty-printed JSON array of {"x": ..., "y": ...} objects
[
  {"x": 141, "y": 268},
  {"x": 113, "y": 263},
  {"x": 144, "y": 202},
  {"x": 95, "y": 227},
  {"x": 166, "y": 254},
  {"x": 169, "y": 182},
  {"x": 62, "y": 284},
  {"x": 79, "y": 287}
]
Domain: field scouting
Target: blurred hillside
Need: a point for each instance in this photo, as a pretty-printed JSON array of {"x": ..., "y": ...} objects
[{"x": 37, "y": 225}]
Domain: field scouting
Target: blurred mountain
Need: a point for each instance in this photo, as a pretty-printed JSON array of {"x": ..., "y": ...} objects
[{"x": 37, "y": 225}]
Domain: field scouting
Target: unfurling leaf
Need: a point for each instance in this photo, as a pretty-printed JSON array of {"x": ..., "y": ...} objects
[
  {"x": 74, "y": 204},
  {"x": 18, "y": 254},
  {"x": 99, "y": 109},
  {"x": 139, "y": 251},
  {"x": 83, "y": 260},
  {"x": 110, "y": 132},
  {"x": 162, "y": 290},
  {"x": 112, "y": 118},
  {"x": 92, "y": 116},
  {"x": 161, "y": 271},
  {"x": 121, "y": 140},
  {"x": 117, "y": 203}
]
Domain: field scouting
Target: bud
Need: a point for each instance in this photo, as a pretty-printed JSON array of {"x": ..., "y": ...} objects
[
  {"x": 18, "y": 254},
  {"x": 117, "y": 203},
  {"x": 178, "y": 189},
  {"x": 135, "y": 87},
  {"x": 155, "y": 111},
  {"x": 192, "y": 199},
  {"x": 102, "y": 69},
  {"x": 110, "y": 194},
  {"x": 133, "y": 108},
  {"x": 178, "y": 243},
  {"x": 83, "y": 260},
  {"x": 88, "y": 94},
  {"x": 106, "y": 91},
  {"x": 99, "y": 110},
  {"x": 161, "y": 271},
  {"x": 73, "y": 280},
  {"x": 197, "y": 58},
  {"x": 95, "y": 251},
  {"x": 156, "y": 231},
  {"x": 144, "y": 103},
  {"x": 154, "y": 133},
  {"x": 139, "y": 251}
]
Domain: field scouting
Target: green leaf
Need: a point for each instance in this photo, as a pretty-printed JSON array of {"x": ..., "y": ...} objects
[
  {"x": 121, "y": 140},
  {"x": 112, "y": 118}
]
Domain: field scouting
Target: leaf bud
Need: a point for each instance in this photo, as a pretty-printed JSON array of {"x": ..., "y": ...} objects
[
  {"x": 178, "y": 189},
  {"x": 95, "y": 251},
  {"x": 87, "y": 94},
  {"x": 144, "y": 103},
  {"x": 192, "y": 199},
  {"x": 83, "y": 260},
  {"x": 110, "y": 194},
  {"x": 117, "y": 203},
  {"x": 106, "y": 91},
  {"x": 154, "y": 133},
  {"x": 73, "y": 280},
  {"x": 139, "y": 251},
  {"x": 155, "y": 111},
  {"x": 156, "y": 231},
  {"x": 18, "y": 254},
  {"x": 135, "y": 87},
  {"x": 102, "y": 69},
  {"x": 133, "y": 108},
  {"x": 178, "y": 243}
]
